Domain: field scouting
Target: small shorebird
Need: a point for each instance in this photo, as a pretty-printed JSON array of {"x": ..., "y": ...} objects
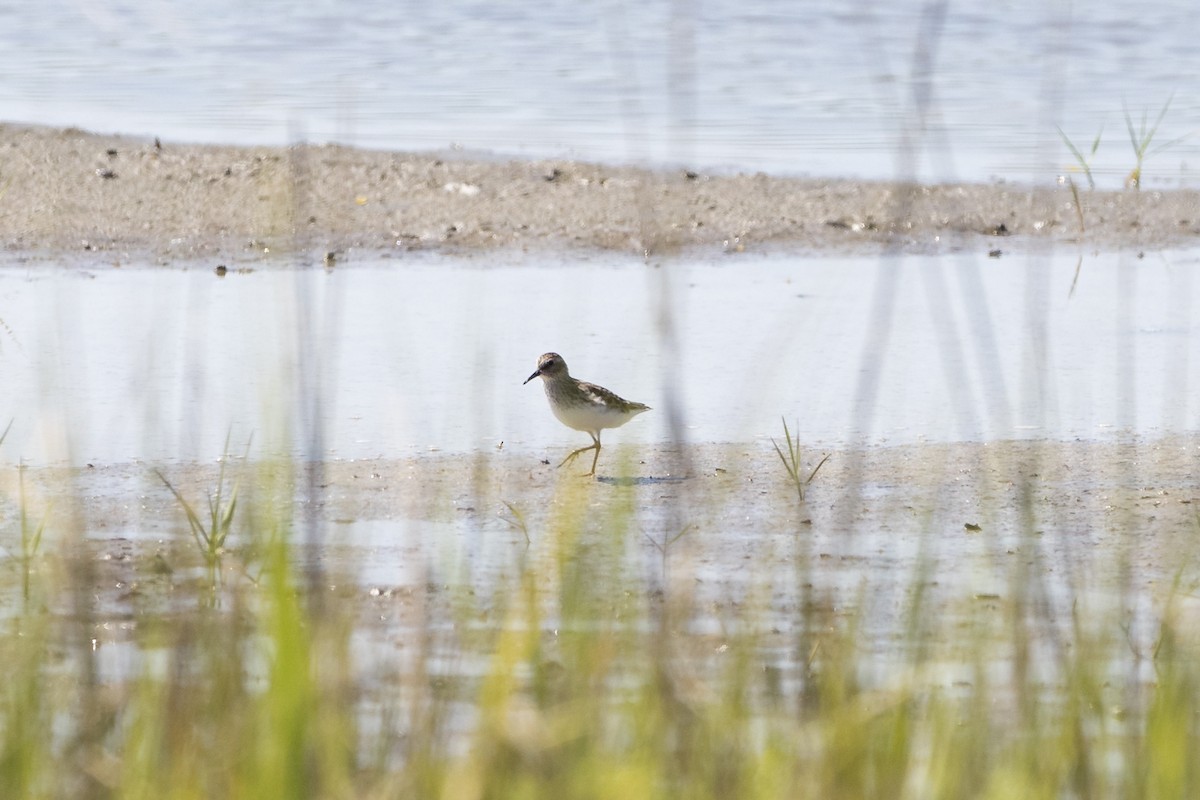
[{"x": 582, "y": 406}]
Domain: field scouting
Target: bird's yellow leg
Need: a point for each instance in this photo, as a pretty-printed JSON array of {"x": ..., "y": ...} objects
[
  {"x": 595, "y": 458},
  {"x": 595, "y": 445},
  {"x": 571, "y": 457}
]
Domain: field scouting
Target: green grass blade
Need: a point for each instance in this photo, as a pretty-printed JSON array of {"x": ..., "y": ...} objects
[{"x": 197, "y": 527}]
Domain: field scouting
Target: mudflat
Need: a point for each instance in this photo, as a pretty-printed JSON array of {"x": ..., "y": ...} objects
[{"x": 129, "y": 199}]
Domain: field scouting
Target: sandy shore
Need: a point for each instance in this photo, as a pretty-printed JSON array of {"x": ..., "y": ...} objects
[{"x": 130, "y": 199}]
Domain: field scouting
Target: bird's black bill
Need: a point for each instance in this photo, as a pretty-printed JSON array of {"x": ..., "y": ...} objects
[{"x": 536, "y": 372}]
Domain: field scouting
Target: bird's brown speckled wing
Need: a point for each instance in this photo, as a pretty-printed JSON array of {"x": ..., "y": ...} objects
[{"x": 603, "y": 397}]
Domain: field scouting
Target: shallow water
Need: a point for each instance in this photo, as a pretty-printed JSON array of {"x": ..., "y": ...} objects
[
  {"x": 389, "y": 359},
  {"x": 826, "y": 90}
]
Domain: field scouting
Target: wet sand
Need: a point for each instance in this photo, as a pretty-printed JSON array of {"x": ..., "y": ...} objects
[
  {"x": 116, "y": 200},
  {"x": 1093, "y": 524},
  {"x": 1072, "y": 491}
]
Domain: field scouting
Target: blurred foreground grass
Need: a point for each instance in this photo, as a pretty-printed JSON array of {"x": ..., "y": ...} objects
[{"x": 582, "y": 672}]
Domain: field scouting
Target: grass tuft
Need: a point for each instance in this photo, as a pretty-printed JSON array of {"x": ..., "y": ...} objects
[
  {"x": 792, "y": 461},
  {"x": 1084, "y": 162},
  {"x": 1141, "y": 138},
  {"x": 210, "y": 535}
]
